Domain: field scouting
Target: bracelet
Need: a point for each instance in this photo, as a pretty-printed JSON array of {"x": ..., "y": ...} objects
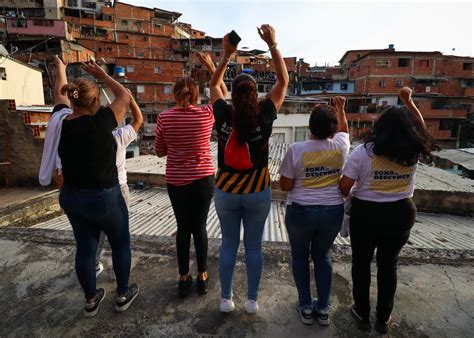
[{"x": 272, "y": 48}]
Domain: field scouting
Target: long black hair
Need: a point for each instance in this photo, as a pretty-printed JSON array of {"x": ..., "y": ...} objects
[
  {"x": 246, "y": 106},
  {"x": 397, "y": 137}
]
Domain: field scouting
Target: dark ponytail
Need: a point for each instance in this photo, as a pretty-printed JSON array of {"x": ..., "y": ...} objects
[{"x": 246, "y": 107}]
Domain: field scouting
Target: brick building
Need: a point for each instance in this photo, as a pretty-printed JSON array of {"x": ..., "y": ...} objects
[{"x": 443, "y": 86}]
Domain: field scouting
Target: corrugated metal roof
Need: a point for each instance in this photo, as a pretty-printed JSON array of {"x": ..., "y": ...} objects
[
  {"x": 151, "y": 214},
  {"x": 463, "y": 157}
]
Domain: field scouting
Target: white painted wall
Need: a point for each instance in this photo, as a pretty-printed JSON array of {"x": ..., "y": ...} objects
[
  {"x": 286, "y": 123},
  {"x": 23, "y": 83},
  {"x": 391, "y": 100}
]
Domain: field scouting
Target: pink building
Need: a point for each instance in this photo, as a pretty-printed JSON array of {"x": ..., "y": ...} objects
[{"x": 39, "y": 26}]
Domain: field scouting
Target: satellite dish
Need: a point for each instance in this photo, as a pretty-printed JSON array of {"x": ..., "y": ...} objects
[{"x": 3, "y": 51}]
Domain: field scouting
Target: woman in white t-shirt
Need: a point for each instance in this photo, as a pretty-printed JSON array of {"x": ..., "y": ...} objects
[
  {"x": 310, "y": 172},
  {"x": 381, "y": 174}
]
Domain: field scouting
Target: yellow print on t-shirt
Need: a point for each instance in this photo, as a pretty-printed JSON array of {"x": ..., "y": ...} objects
[
  {"x": 388, "y": 176},
  {"x": 322, "y": 169}
]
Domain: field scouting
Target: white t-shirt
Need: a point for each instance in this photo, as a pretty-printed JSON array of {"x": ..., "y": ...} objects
[
  {"x": 315, "y": 166},
  {"x": 123, "y": 137},
  {"x": 377, "y": 178}
]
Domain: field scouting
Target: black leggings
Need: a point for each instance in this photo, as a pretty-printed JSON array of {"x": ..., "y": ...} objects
[
  {"x": 191, "y": 204},
  {"x": 385, "y": 226}
]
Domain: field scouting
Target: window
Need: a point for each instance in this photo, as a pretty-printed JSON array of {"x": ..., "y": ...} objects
[
  {"x": 343, "y": 86},
  {"x": 3, "y": 73},
  {"x": 100, "y": 49},
  {"x": 167, "y": 89},
  {"x": 400, "y": 83},
  {"x": 278, "y": 138},
  {"x": 424, "y": 63},
  {"x": 109, "y": 49},
  {"x": 151, "y": 118},
  {"x": 301, "y": 134},
  {"x": 382, "y": 63},
  {"x": 403, "y": 62},
  {"x": 157, "y": 70},
  {"x": 218, "y": 53},
  {"x": 446, "y": 124},
  {"x": 139, "y": 24},
  {"x": 125, "y": 22},
  {"x": 140, "y": 89},
  {"x": 157, "y": 26},
  {"x": 382, "y": 83},
  {"x": 125, "y": 36},
  {"x": 130, "y": 69},
  {"x": 145, "y": 38},
  {"x": 260, "y": 88},
  {"x": 467, "y": 66},
  {"x": 141, "y": 55},
  {"x": 72, "y": 3}
]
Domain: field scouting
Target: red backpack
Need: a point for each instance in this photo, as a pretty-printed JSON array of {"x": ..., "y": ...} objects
[{"x": 236, "y": 154}]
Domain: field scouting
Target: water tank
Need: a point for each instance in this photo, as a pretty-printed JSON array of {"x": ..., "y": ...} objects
[
  {"x": 119, "y": 71},
  {"x": 391, "y": 46}
]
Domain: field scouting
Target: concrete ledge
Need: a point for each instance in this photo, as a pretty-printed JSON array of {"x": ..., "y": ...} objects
[
  {"x": 273, "y": 251},
  {"x": 30, "y": 211},
  {"x": 452, "y": 202}
]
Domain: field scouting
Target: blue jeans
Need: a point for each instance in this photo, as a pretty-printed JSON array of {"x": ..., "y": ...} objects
[
  {"x": 251, "y": 210},
  {"x": 91, "y": 211},
  {"x": 312, "y": 229}
]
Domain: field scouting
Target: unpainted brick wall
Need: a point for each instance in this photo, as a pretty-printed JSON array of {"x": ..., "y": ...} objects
[{"x": 24, "y": 151}]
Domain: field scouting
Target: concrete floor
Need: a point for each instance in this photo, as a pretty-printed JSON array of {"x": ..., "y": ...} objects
[{"x": 41, "y": 297}]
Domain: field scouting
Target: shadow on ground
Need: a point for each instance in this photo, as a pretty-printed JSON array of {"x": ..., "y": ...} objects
[{"x": 40, "y": 296}]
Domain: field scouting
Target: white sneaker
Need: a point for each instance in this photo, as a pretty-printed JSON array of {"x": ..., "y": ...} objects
[
  {"x": 99, "y": 267},
  {"x": 251, "y": 306},
  {"x": 227, "y": 305}
]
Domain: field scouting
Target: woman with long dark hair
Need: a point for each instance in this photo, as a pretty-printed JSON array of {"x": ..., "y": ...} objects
[
  {"x": 91, "y": 196},
  {"x": 381, "y": 174},
  {"x": 183, "y": 135},
  {"x": 243, "y": 192}
]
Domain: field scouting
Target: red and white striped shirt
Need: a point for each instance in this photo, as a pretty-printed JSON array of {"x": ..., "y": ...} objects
[{"x": 184, "y": 135}]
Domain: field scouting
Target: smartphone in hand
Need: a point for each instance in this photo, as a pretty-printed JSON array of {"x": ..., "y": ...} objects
[{"x": 234, "y": 38}]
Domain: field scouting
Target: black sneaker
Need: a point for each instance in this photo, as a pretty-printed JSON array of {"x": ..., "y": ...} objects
[
  {"x": 306, "y": 315},
  {"x": 383, "y": 327},
  {"x": 91, "y": 309},
  {"x": 202, "y": 285},
  {"x": 184, "y": 286},
  {"x": 124, "y": 302},
  {"x": 322, "y": 317},
  {"x": 362, "y": 323}
]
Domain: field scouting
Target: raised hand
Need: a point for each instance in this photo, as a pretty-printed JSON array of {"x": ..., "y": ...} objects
[
  {"x": 94, "y": 69},
  {"x": 405, "y": 94},
  {"x": 267, "y": 33},
  {"x": 59, "y": 63},
  {"x": 206, "y": 60},
  {"x": 339, "y": 103},
  {"x": 229, "y": 49}
]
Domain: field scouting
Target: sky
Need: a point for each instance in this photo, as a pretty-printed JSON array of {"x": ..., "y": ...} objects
[{"x": 321, "y": 31}]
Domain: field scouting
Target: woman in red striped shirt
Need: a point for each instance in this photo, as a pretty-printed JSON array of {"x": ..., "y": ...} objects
[{"x": 183, "y": 135}]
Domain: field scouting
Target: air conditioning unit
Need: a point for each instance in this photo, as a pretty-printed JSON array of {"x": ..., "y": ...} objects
[{"x": 428, "y": 89}]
